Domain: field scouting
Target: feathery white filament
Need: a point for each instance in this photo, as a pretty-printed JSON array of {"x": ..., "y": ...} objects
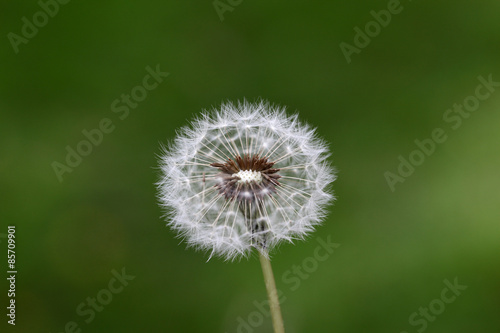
[{"x": 245, "y": 176}]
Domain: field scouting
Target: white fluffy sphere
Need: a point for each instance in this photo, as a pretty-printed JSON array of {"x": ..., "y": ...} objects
[{"x": 244, "y": 176}]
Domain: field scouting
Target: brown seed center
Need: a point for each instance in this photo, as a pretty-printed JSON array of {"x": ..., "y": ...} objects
[{"x": 231, "y": 185}]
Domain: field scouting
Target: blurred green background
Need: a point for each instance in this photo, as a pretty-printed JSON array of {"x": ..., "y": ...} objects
[{"x": 396, "y": 247}]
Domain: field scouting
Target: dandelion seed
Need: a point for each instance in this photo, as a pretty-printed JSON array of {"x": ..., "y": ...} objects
[{"x": 245, "y": 177}]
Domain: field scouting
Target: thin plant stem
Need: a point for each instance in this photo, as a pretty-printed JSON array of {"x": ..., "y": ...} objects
[{"x": 272, "y": 294}]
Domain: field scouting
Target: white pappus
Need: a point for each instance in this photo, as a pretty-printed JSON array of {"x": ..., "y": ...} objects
[{"x": 244, "y": 176}]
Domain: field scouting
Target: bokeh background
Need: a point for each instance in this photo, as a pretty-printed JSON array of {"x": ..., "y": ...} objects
[{"x": 396, "y": 247}]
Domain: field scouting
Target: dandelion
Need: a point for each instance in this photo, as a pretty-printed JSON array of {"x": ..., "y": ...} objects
[{"x": 243, "y": 177}]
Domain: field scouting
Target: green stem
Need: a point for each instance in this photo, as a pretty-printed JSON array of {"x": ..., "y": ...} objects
[{"x": 272, "y": 294}]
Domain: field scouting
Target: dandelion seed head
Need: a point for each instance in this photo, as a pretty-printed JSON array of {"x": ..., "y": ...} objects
[{"x": 244, "y": 176}]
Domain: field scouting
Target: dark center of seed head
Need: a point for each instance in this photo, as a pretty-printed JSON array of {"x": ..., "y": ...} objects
[{"x": 246, "y": 178}]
